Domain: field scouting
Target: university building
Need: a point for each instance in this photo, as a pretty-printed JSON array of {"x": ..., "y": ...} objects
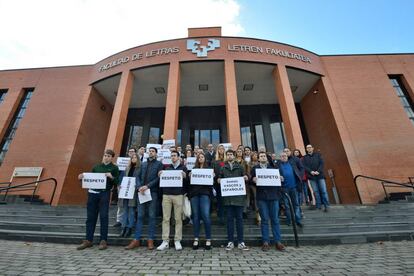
[{"x": 357, "y": 110}]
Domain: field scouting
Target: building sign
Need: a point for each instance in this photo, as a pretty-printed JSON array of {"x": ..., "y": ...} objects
[
  {"x": 201, "y": 51},
  {"x": 268, "y": 51}
]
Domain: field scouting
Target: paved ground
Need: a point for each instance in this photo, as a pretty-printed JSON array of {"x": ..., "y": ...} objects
[{"x": 388, "y": 258}]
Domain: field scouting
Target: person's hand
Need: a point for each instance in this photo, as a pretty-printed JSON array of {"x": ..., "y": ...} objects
[
  {"x": 143, "y": 189},
  {"x": 316, "y": 173},
  {"x": 80, "y": 176},
  {"x": 159, "y": 173},
  {"x": 282, "y": 178},
  {"x": 218, "y": 180},
  {"x": 254, "y": 179},
  {"x": 108, "y": 174},
  {"x": 245, "y": 178},
  {"x": 184, "y": 174}
]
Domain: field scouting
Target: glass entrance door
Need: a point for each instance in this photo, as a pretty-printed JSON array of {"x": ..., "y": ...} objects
[{"x": 203, "y": 137}]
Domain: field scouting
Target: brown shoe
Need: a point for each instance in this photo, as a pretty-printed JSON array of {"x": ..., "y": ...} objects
[
  {"x": 150, "y": 244},
  {"x": 133, "y": 244},
  {"x": 103, "y": 245},
  {"x": 280, "y": 247},
  {"x": 265, "y": 246},
  {"x": 85, "y": 244}
]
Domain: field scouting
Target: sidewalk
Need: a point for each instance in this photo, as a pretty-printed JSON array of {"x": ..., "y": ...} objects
[{"x": 388, "y": 258}]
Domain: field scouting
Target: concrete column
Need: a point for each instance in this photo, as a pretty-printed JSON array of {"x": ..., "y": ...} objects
[
  {"x": 287, "y": 108},
  {"x": 9, "y": 107},
  {"x": 172, "y": 106},
  {"x": 232, "y": 104},
  {"x": 120, "y": 112}
]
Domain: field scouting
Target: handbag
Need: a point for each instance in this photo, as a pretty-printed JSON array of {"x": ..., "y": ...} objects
[{"x": 187, "y": 207}]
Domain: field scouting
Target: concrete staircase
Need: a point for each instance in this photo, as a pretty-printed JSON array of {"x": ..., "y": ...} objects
[{"x": 342, "y": 224}]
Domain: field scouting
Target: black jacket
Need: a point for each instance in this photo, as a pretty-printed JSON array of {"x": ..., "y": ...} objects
[
  {"x": 313, "y": 162},
  {"x": 266, "y": 192},
  {"x": 210, "y": 157}
]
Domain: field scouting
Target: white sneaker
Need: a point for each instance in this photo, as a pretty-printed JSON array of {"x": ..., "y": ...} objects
[
  {"x": 164, "y": 245},
  {"x": 178, "y": 246},
  {"x": 230, "y": 246},
  {"x": 243, "y": 247}
]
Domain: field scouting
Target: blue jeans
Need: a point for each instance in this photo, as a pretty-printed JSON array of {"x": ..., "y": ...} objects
[
  {"x": 304, "y": 196},
  {"x": 269, "y": 210},
  {"x": 128, "y": 215},
  {"x": 319, "y": 189},
  {"x": 200, "y": 208},
  {"x": 97, "y": 204},
  {"x": 293, "y": 194},
  {"x": 234, "y": 212},
  {"x": 151, "y": 208}
]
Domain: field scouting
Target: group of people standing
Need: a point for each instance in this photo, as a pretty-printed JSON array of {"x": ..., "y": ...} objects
[{"x": 294, "y": 170}]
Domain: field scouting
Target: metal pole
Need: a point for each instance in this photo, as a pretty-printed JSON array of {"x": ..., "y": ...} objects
[{"x": 292, "y": 215}]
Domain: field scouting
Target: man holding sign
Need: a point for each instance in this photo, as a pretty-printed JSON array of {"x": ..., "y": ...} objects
[
  {"x": 173, "y": 188},
  {"x": 268, "y": 184},
  {"x": 147, "y": 179},
  {"x": 234, "y": 204},
  {"x": 98, "y": 201}
]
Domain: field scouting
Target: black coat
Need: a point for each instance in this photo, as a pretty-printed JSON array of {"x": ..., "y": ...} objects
[
  {"x": 266, "y": 192},
  {"x": 313, "y": 162}
]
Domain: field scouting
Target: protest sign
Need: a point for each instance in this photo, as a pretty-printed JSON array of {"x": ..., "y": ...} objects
[
  {"x": 94, "y": 181},
  {"x": 233, "y": 186},
  {"x": 202, "y": 177}
]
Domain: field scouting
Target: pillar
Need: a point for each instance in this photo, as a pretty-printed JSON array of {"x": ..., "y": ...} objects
[
  {"x": 172, "y": 105},
  {"x": 287, "y": 108},
  {"x": 120, "y": 112},
  {"x": 232, "y": 104}
]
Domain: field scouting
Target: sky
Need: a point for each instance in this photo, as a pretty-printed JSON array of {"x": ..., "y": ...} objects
[{"x": 45, "y": 33}]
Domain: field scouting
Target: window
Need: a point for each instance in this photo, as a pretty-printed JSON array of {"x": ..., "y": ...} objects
[
  {"x": 2, "y": 94},
  {"x": 206, "y": 136},
  {"x": 135, "y": 136},
  {"x": 178, "y": 142},
  {"x": 14, "y": 123},
  {"x": 405, "y": 99},
  {"x": 154, "y": 135},
  {"x": 278, "y": 136},
  {"x": 259, "y": 136},
  {"x": 246, "y": 136}
]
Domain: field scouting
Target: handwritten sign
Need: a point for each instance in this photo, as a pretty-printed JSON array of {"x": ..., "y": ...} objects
[
  {"x": 202, "y": 177},
  {"x": 268, "y": 177},
  {"x": 190, "y": 162},
  {"x": 144, "y": 197},
  {"x": 127, "y": 189},
  {"x": 167, "y": 144},
  {"x": 171, "y": 178},
  {"x": 122, "y": 163},
  {"x": 233, "y": 186},
  {"x": 94, "y": 181}
]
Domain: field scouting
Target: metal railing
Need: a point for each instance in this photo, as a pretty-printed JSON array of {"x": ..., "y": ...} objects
[
  {"x": 292, "y": 217},
  {"x": 27, "y": 187},
  {"x": 384, "y": 183}
]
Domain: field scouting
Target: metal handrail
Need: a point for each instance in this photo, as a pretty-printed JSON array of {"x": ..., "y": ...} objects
[
  {"x": 293, "y": 218},
  {"x": 383, "y": 183},
  {"x": 34, "y": 188}
]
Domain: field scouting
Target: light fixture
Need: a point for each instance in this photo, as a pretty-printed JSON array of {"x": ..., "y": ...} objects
[
  {"x": 248, "y": 87},
  {"x": 316, "y": 91},
  {"x": 203, "y": 87},
  {"x": 159, "y": 90}
]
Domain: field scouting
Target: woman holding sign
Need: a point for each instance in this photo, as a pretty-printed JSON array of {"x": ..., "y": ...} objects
[
  {"x": 129, "y": 205},
  {"x": 200, "y": 192}
]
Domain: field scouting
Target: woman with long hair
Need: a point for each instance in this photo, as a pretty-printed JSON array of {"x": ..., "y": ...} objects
[
  {"x": 129, "y": 205},
  {"x": 200, "y": 196},
  {"x": 217, "y": 165}
]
